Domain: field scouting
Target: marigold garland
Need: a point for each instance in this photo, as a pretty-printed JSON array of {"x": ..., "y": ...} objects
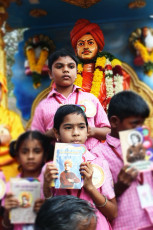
[
  {"x": 36, "y": 66},
  {"x": 146, "y": 56},
  {"x": 104, "y": 68}
]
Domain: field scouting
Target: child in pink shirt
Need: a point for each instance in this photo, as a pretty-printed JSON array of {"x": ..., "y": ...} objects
[
  {"x": 127, "y": 110},
  {"x": 63, "y": 71},
  {"x": 32, "y": 149},
  {"x": 71, "y": 126}
]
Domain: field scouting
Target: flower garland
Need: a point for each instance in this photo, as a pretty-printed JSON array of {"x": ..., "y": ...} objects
[
  {"x": 146, "y": 56},
  {"x": 36, "y": 66},
  {"x": 109, "y": 72}
]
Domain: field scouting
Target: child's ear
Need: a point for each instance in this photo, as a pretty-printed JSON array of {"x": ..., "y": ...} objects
[
  {"x": 50, "y": 74},
  {"x": 56, "y": 133},
  {"x": 114, "y": 122}
]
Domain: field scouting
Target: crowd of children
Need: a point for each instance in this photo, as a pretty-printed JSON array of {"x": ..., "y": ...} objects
[{"x": 82, "y": 120}]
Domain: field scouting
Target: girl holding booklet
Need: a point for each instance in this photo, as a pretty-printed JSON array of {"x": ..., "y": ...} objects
[
  {"x": 32, "y": 149},
  {"x": 71, "y": 126}
]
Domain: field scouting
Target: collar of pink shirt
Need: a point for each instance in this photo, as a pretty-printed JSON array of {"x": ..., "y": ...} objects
[
  {"x": 113, "y": 141},
  {"x": 54, "y": 91}
]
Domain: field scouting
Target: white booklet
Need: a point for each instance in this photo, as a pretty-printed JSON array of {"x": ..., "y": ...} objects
[{"x": 26, "y": 191}]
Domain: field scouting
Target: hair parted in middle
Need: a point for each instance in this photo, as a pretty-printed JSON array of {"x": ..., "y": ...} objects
[{"x": 66, "y": 110}]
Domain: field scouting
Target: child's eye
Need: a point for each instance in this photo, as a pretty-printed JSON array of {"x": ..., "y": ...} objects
[
  {"x": 23, "y": 151},
  {"x": 82, "y": 127},
  {"x": 72, "y": 66},
  {"x": 68, "y": 127},
  {"x": 59, "y": 66},
  {"x": 37, "y": 150}
]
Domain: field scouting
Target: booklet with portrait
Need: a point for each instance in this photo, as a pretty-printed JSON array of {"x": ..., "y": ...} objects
[
  {"x": 67, "y": 158},
  {"x": 27, "y": 191},
  {"x": 137, "y": 148}
]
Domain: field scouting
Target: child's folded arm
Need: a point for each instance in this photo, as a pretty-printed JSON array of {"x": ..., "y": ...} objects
[{"x": 98, "y": 132}]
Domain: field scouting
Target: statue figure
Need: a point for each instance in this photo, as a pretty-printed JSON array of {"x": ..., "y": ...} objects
[
  {"x": 10, "y": 128},
  {"x": 99, "y": 73}
]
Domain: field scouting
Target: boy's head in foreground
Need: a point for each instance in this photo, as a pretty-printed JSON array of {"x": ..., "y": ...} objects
[
  {"x": 127, "y": 110},
  {"x": 66, "y": 212}
]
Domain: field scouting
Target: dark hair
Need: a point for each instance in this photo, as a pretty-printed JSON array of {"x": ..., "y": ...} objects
[
  {"x": 66, "y": 110},
  {"x": 61, "y": 53},
  {"x": 44, "y": 140},
  {"x": 64, "y": 213},
  {"x": 126, "y": 104}
]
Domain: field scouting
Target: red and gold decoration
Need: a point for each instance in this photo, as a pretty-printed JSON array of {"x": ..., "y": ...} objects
[
  {"x": 106, "y": 77},
  {"x": 82, "y": 3},
  {"x": 36, "y": 13},
  {"x": 137, "y": 4},
  {"x": 141, "y": 40},
  {"x": 37, "y": 50},
  {"x": 106, "y": 80}
]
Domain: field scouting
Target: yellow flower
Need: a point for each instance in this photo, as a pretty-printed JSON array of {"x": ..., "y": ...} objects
[
  {"x": 36, "y": 67},
  {"x": 78, "y": 80},
  {"x": 100, "y": 62},
  {"x": 41, "y": 61},
  {"x": 149, "y": 73},
  {"x": 115, "y": 62},
  {"x": 31, "y": 58},
  {"x": 142, "y": 50},
  {"x": 80, "y": 68}
]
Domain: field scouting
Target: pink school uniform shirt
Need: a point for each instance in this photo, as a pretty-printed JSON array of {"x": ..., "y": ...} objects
[
  {"x": 20, "y": 226},
  {"x": 106, "y": 189},
  {"x": 44, "y": 114},
  {"x": 130, "y": 214}
]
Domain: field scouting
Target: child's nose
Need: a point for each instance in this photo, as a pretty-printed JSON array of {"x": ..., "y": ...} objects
[
  {"x": 31, "y": 154},
  {"x": 75, "y": 131},
  {"x": 65, "y": 68}
]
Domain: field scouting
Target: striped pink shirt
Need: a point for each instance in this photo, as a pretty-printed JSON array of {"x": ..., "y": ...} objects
[
  {"x": 44, "y": 114},
  {"x": 130, "y": 214}
]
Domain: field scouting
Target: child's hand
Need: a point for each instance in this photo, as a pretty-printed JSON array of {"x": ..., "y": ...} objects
[
  {"x": 126, "y": 176},
  {"x": 10, "y": 201},
  {"x": 86, "y": 171},
  {"x": 38, "y": 203},
  {"x": 50, "y": 173},
  {"x": 50, "y": 133}
]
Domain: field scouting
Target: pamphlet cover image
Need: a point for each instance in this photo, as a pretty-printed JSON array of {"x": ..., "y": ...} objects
[
  {"x": 67, "y": 158},
  {"x": 137, "y": 148},
  {"x": 26, "y": 192}
]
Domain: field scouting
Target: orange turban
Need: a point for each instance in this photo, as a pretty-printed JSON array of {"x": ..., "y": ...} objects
[{"x": 82, "y": 27}]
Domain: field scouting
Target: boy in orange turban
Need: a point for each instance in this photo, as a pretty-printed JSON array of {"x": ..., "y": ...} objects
[{"x": 99, "y": 72}]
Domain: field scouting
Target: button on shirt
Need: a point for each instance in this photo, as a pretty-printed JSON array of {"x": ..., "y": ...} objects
[{"x": 44, "y": 113}]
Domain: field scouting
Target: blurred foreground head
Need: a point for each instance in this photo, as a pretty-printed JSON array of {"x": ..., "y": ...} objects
[{"x": 66, "y": 213}]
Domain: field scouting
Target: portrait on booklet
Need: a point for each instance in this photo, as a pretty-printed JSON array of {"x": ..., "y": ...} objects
[
  {"x": 67, "y": 158},
  {"x": 137, "y": 148}
]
